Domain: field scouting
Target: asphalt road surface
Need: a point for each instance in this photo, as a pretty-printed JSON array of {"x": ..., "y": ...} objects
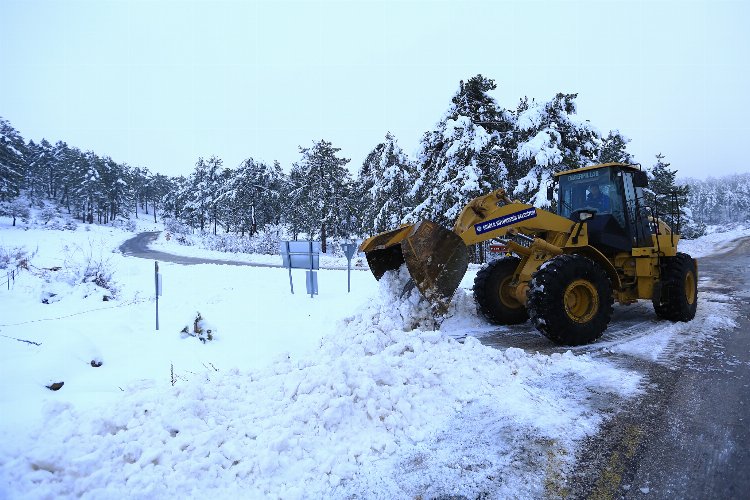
[
  {"x": 689, "y": 435},
  {"x": 138, "y": 247}
]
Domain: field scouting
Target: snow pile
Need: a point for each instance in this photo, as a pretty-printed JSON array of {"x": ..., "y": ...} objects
[
  {"x": 376, "y": 410},
  {"x": 718, "y": 240}
]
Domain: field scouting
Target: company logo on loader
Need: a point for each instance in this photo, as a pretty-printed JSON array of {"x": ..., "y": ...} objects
[{"x": 507, "y": 220}]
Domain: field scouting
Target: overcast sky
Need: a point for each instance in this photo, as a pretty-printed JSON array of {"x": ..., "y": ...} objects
[{"x": 160, "y": 83}]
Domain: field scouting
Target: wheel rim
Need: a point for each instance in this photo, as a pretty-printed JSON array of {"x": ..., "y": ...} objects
[
  {"x": 690, "y": 287},
  {"x": 581, "y": 301},
  {"x": 507, "y": 297}
]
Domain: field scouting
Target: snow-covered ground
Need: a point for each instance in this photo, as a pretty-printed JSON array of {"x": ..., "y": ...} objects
[
  {"x": 341, "y": 395},
  {"x": 718, "y": 239}
]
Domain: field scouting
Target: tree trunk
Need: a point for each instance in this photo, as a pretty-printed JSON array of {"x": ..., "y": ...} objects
[{"x": 323, "y": 238}]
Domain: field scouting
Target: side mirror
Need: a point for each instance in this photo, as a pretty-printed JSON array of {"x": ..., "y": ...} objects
[
  {"x": 550, "y": 192},
  {"x": 640, "y": 179}
]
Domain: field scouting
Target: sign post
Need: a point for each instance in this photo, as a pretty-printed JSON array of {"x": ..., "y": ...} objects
[
  {"x": 302, "y": 255},
  {"x": 157, "y": 286},
  {"x": 349, "y": 249},
  {"x": 289, "y": 265}
]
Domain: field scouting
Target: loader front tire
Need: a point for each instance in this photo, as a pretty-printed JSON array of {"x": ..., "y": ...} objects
[
  {"x": 494, "y": 298},
  {"x": 570, "y": 300},
  {"x": 678, "y": 298}
]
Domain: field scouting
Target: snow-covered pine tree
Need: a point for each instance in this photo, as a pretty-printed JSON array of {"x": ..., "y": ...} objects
[
  {"x": 296, "y": 205},
  {"x": 614, "y": 148},
  {"x": 385, "y": 180},
  {"x": 218, "y": 182},
  {"x": 158, "y": 187},
  {"x": 663, "y": 192},
  {"x": 88, "y": 186},
  {"x": 205, "y": 192},
  {"x": 177, "y": 203},
  {"x": 38, "y": 162},
  {"x": 255, "y": 195},
  {"x": 719, "y": 201},
  {"x": 68, "y": 161},
  {"x": 138, "y": 180},
  {"x": 461, "y": 158},
  {"x": 12, "y": 161},
  {"x": 549, "y": 139},
  {"x": 363, "y": 185},
  {"x": 321, "y": 193},
  {"x": 114, "y": 190}
]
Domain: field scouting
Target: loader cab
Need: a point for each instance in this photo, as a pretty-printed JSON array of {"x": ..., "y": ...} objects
[{"x": 610, "y": 197}]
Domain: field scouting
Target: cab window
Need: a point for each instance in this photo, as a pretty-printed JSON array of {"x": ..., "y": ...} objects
[{"x": 591, "y": 189}]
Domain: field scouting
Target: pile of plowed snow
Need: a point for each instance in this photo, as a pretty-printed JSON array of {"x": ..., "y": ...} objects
[{"x": 386, "y": 407}]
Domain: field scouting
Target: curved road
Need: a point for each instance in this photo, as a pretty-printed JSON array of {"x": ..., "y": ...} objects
[{"x": 138, "y": 247}]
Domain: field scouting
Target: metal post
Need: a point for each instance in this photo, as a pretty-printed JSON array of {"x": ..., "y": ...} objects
[
  {"x": 312, "y": 282},
  {"x": 156, "y": 291},
  {"x": 289, "y": 260}
]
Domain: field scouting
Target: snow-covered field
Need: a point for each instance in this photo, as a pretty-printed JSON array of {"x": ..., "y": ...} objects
[{"x": 342, "y": 395}]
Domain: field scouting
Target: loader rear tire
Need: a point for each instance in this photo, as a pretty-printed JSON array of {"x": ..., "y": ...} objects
[
  {"x": 570, "y": 300},
  {"x": 678, "y": 299},
  {"x": 493, "y": 296}
]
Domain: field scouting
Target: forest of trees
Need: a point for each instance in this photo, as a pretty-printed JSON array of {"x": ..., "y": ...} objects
[{"x": 477, "y": 145}]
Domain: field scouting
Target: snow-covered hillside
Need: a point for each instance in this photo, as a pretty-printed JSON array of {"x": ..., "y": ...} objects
[{"x": 344, "y": 394}]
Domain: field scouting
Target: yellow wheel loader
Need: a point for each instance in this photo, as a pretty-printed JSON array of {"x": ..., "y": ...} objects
[{"x": 566, "y": 269}]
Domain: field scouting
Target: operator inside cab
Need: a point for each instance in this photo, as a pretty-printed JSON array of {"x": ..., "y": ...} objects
[{"x": 597, "y": 199}]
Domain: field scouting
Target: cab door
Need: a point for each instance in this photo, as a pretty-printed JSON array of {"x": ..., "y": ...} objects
[{"x": 635, "y": 212}]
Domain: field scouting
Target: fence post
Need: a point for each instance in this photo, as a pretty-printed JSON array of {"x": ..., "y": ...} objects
[{"x": 156, "y": 289}]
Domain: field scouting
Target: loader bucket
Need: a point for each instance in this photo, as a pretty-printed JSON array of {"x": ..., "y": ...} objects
[{"x": 435, "y": 257}]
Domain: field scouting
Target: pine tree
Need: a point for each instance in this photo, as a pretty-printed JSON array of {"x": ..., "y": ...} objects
[
  {"x": 662, "y": 195},
  {"x": 12, "y": 161},
  {"x": 321, "y": 193},
  {"x": 462, "y": 157},
  {"x": 206, "y": 192},
  {"x": 384, "y": 182},
  {"x": 549, "y": 139},
  {"x": 159, "y": 186},
  {"x": 614, "y": 149},
  {"x": 256, "y": 195}
]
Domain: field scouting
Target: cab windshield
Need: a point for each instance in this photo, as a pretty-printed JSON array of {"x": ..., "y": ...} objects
[{"x": 592, "y": 190}]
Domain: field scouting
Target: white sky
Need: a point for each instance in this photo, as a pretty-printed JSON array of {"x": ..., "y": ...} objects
[{"x": 157, "y": 84}]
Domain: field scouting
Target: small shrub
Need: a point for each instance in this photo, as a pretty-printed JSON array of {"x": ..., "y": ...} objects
[
  {"x": 176, "y": 227},
  {"x": 47, "y": 214},
  {"x": 267, "y": 240},
  {"x": 90, "y": 265},
  {"x": 199, "y": 329},
  {"x": 13, "y": 258},
  {"x": 131, "y": 226},
  {"x": 16, "y": 209}
]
